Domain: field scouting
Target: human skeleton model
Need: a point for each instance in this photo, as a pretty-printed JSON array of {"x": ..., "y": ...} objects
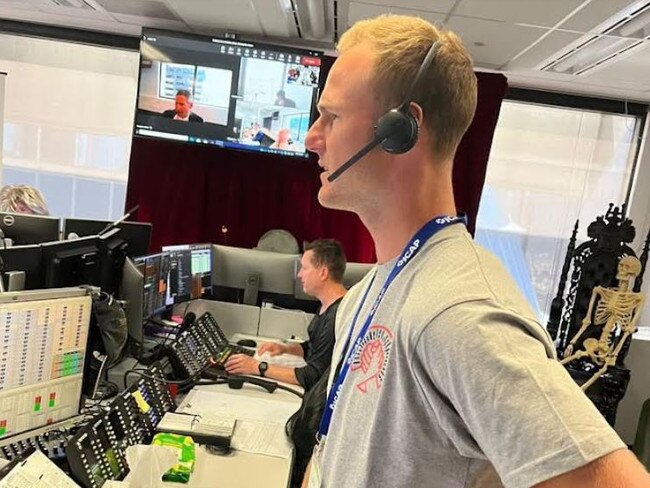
[{"x": 617, "y": 310}]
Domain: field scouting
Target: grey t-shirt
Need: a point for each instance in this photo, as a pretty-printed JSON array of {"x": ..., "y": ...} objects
[{"x": 456, "y": 381}]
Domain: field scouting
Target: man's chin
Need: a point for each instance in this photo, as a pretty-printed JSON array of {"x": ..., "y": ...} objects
[{"x": 329, "y": 199}]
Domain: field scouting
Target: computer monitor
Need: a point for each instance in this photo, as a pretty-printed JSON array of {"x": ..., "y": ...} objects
[
  {"x": 190, "y": 271},
  {"x": 155, "y": 289},
  {"x": 45, "y": 336},
  {"x": 27, "y": 259},
  {"x": 354, "y": 272},
  {"x": 132, "y": 292},
  {"x": 251, "y": 271},
  {"x": 246, "y": 96},
  {"x": 136, "y": 234},
  {"x": 29, "y": 229},
  {"x": 71, "y": 263}
]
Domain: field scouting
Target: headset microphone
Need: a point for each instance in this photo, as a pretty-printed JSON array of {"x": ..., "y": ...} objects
[{"x": 397, "y": 130}]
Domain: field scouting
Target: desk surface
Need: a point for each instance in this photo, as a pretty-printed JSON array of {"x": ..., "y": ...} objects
[
  {"x": 237, "y": 470},
  {"x": 240, "y": 468}
]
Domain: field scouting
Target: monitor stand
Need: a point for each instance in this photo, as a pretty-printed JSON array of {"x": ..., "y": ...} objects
[{"x": 251, "y": 289}]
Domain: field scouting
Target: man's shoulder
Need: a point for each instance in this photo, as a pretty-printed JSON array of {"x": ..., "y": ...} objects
[
  {"x": 168, "y": 113},
  {"x": 455, "y": 270}
]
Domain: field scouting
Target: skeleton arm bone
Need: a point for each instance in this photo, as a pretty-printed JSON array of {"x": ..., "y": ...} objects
[{"x": 585, "y": 322}]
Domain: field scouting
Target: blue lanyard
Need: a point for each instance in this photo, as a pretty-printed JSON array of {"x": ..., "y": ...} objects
[{"x": 412, "y": 248}]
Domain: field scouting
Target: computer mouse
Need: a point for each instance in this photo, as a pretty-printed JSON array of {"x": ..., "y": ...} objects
[{"x": 247, "y": 343}]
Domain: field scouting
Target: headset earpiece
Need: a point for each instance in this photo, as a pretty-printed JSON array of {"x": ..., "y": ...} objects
[{"x": 398, "y": 130}]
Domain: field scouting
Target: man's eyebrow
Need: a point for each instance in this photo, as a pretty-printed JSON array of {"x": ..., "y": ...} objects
[{"x": 324, "y": 107}]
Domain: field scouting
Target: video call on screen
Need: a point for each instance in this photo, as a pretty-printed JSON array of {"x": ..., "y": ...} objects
[{"x": 243, "y": 95}]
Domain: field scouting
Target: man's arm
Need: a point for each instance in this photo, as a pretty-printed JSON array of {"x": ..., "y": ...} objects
[
  {"x": 286, "y": 375},
  {"x": 243, "y": 364},
  {"x": 274, "y": 349},
  {"x": 619, "y": 469}
]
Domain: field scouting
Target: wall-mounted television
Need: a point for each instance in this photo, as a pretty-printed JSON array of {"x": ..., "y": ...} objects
[{"x": 227, "y": 93}]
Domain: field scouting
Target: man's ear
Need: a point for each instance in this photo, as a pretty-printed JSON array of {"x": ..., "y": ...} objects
[
  {"x": 417, "y": 112},
  {"x": 324, "y": 273}
]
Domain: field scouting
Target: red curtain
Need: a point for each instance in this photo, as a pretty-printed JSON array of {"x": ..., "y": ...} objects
[{"x": 194, "y": 193}]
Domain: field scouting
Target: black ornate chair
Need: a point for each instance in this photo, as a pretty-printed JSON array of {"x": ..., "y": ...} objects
[{"x": 594, "y": 263}]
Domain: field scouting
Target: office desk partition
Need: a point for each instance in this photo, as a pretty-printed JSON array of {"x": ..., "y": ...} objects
[
  {"x": 232, "y": 317},
  {"x": 284, "y": 324}
]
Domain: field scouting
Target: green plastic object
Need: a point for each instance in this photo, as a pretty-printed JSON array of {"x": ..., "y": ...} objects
[
  {"x": 641, "y": 445},
  {"x": 185, "y": 446}
]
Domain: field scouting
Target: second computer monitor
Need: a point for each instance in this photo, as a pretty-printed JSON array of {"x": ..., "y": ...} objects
[
  {"x": 251, "y": 271},
  {"x": 155, "y": 270},
  {"x": 71, "y": 263},
  {"x": 26, "y": 259},
  {"x": 29, "y": 229},
  {"x": 190, "y": 271},
  {"x": 136, "y": 234}
]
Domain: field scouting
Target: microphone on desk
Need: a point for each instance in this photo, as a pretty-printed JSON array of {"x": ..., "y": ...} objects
[{"x": 188, "y": 320}]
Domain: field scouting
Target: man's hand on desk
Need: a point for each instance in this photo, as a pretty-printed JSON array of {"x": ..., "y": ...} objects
[
  {"x": 273, "y": 348},
  {"x": 242, "y": 364}
]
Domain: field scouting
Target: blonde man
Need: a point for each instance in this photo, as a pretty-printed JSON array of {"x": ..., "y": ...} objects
[
  {"x": 448, "y": 379},
  {"x": 22, "y": 199}
]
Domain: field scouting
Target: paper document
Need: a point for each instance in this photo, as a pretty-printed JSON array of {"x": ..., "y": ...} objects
[{"x": 260, "y": 421}]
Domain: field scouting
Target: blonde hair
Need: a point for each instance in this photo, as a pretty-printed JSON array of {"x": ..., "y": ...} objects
[
  {"x": 22, "y": 199},
  {"x": 448, "y": 91}
]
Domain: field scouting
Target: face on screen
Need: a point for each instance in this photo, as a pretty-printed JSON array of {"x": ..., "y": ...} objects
[{"x": 183, "y": 106}]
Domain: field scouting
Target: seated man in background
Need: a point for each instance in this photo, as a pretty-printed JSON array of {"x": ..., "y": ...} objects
[
  {"x": 321, "y": 274},
  {"x": 183, "y": 108},
  {"x": 22, "y": 199}
]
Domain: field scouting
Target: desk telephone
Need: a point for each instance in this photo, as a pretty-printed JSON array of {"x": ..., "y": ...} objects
[{"x": 203, "y": 342}]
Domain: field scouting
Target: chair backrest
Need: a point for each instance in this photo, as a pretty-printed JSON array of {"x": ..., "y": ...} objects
[
  {"x": 278, "y": 240},
  {"x": 641, "y": 447}
]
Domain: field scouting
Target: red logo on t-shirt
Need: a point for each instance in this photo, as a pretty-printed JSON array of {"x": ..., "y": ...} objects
[{"x": 373, "y": 357}]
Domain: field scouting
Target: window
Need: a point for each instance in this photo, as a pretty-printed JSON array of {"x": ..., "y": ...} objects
[
  {"x": 68, "y": 122},
  {"x": 548, "y": 167}
]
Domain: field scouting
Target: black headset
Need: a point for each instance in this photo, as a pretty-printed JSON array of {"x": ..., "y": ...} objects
[{"x": 397, "y": 130}]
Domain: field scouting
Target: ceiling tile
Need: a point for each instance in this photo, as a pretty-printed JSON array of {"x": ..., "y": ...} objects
[
  {"x": 547, "y": 47},
  {"x": 545, "y": 13},
  {"x": 229, "y": 15},
  {"x": 140, "y": 8},
  {"x": 152, "y": 22},
  {"x": 360, "y": 11},
  {"x": 502, "y": 41},
  {"x": 275, "y": 21},
  {"x": 439, "y": 6},
  {"x": 593, "y": 14}
]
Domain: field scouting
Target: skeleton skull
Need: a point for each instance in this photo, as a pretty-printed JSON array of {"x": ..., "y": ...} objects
[{"x": 628, "y": 267}]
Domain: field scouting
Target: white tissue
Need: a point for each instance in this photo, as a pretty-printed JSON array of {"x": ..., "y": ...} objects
[{"x": 148, "y": 464}]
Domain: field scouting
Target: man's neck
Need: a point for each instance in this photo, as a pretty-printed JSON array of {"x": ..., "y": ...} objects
[
  {"x": 405, "y": 210},
  {"x": 330, "y": 293}
]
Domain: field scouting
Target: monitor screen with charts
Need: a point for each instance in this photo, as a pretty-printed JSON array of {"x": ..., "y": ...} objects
[
  {"x": 190, "y": 271},
  {"x": 44, "y": 336}
]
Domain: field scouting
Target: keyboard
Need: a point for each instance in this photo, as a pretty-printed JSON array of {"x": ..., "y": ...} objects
[{"x": 228, "y": 350}]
